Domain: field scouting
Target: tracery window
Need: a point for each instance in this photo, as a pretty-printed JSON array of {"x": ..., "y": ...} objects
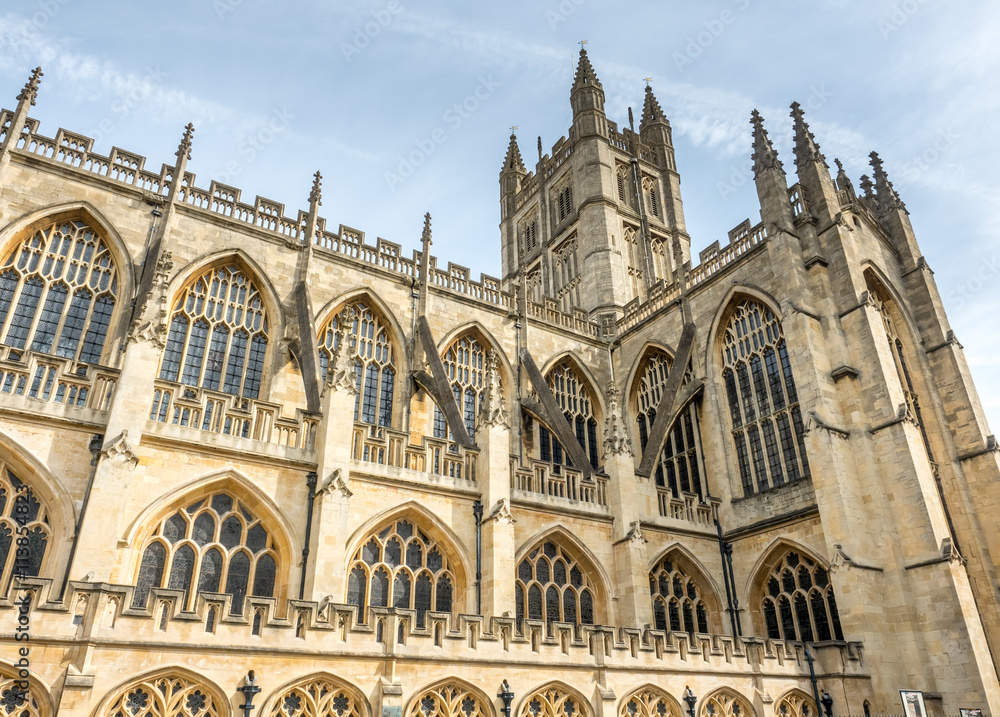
[
  {"x": 763, "y": 404},
  {"x": 169, "y": 696},
  {"x": 27, "y": 512},
  {"x": 576, "y": 402},
  {"x": 552, "y": 702},
  {"x": 633, "y": 262},
  {"x": 463, "y": 364},
  {"x": 401, "y": 566},
  {"x": 648, "y": 702},
  {"x": 799, "y": 603},
  {"x": 649, "y": 187},
  {"x": 451, "y": 699},
  {"x": 552, "y": 586},
  {"x": 726, "y": 704},
  {"x": 626, "y": 192},
  {"x": 529, "y": 235},
  {"x": 681, "y": 466},
  {"x": 564, "y": 202},
  {"x": 566, "y": 274},
  {"x": 374, "y": 361},
  {"x": 16, "y": 702},
  {"x": 677, "y": 601},
  {"x": 213, "y": 545},
  {"x": 67, "y": 272},
  {"x": 319, "y": 697},
  {"x": 796, "y": 704},
  {"x": 218, "y": 334}
]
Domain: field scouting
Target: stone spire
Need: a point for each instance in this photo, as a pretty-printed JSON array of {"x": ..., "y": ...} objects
[
  {"x": 888, "y": 198},
  {"x": 30, "y": 90},
  {"x": 513, "y": 162},
  {"x": 844, "y": 183},
  {"x": 869, "y": 189},
  {"x": 651, "y": 111},
  {"x": 616, "y": 438},
  {"x": 764, "y": 155},
  {"x": 585, "y": 75},
  {"x": 316, "y": 194},
  {"x": 587, "y": 100},
  {"x": 806, "y": 149}
]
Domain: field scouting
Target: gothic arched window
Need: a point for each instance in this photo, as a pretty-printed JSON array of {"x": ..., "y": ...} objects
[
  {"x": 22, "y": 516},
  {"x": 374, "y": 361},
  {"x": 649, "y": 188},
  {"x": 400, "y": 566},
  {"x": 763, "y": 403},
  {"x": 796, "y": 704},
  {"x": 218, "y": 334},
  {"x": 798, "y": 602},
  {"x": 633, "y": 261},
  {"x": 649, "y": 702},
  {"x": 168, "y": 696},
  {"x": 320, "y": 697},
  {"x": 553, "y": 586},
  {"x": 18, "y": 702},
  {"x": 553, "y": 702},
  {"x": 681, "y": 466},
  {"x": 57, "y": 293},
  {"x": 577, "y": 404},
  {"x": 677, "y": 601},
  {"x": 213, "y": 545},
  {"x": 726, "y": 703},
  {"x": 464, "y": 365},
  {"x": 452, "y": 699}
]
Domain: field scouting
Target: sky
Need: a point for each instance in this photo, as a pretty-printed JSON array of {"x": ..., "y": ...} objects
[{"x": 406, "y": 107}]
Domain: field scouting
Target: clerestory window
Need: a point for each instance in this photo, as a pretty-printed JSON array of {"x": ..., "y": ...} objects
[
  {"x": 798, "y": 602},
  {"x": 463, "y": 364},
  {"x": 552, "y": 586}
]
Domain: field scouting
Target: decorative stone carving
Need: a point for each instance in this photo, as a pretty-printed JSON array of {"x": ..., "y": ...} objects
[
  {"x": 493, "y": 411},
  {"x": 634, "y": 534},
  {"x": 336, "y": 481},
  {"x": 616, "y": 438},
  {"x": 120, "y": 449},
  {"x": 152, "y": 326},
  {"x": 501, "y": 513},
  {"x": 341, "y": 376}
]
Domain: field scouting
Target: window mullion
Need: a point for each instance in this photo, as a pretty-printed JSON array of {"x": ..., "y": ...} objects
[{"x": 85, "y": 328}]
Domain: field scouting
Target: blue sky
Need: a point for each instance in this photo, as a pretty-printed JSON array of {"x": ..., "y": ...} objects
[{"x": 354, "y": 88}]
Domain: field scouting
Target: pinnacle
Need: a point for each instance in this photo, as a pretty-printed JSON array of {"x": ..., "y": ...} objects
[
  {"x": 184, "y": 149},
  {"x": 764, "y": 155},
  {"x": 585, "y": 74},
  {"x": 888, "y": 197},
  {"x": 30, "y": 90},
  {"x": 316, "y": 195},
  {"x": 806, "y": 148},
  {"x": 426, "y": 236},
  {"x": 513, "y": 159},
  {"x": 651, "y": 110},
  {"x": 843, "y": 181}
]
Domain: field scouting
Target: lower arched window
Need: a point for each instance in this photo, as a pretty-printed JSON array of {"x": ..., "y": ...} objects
[
  {"x": 677, "y": 602},
  {"x": 553, "y": 702},
  {"x": 15, "y": 701},
  {"x": 320, "y": 697},
  {"x": 552, "y": 586},
  {"x": 452, "y": 699},
  {"x": 726, "y": 703},
  {"x": 213, "y": 545},
  {"x": 168, "y": 696},
  {"x": 799, "y": 603},
  {"x": 649, "y": 702},
  {"x": 796, "y": 704},
  {"x": 401, "y": 566},
  {"x": 22, "y": 516}
]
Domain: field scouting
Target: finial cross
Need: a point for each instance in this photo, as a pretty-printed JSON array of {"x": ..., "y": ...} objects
[
  {"x": 513, "y": 128},
  {"x": 647, "y": 80},
  {"x": 582, "y": 43}
]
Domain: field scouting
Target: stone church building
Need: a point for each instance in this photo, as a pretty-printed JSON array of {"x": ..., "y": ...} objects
[{"x": 255, "y": 463}]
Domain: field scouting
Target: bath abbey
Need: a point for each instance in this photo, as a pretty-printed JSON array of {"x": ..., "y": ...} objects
[{"x": 257, "y": 463}]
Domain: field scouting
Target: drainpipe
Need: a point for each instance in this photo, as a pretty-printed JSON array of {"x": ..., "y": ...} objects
[
  {"x": 812, "y": 674},
  {"x": 477, "y": 513},
  {"x": 726, "y": 567},
  {"x": 311, "y": 478},
  {"x": 96, "y": 444}
]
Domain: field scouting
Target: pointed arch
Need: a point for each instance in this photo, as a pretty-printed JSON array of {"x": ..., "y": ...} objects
[
  {"x": 450, "y": 697},
  {"x": 411, "y": 545},
  {"x": 591, "y": 381},
  {"x": 737, "y": 292},
  {"x": 149, "y": 695},
  {"x": 726, "y": 702},
  {"x": 57, "y": 498},
  {"x": 37, "y": 702},
  {"x": 684, "y": 564},
  {"x": 247, "y": 522},
  {"x": 646, "y": 701},
  {"x": 361, "y": 293},
  {"x": 487, "y": 337},
  {"x": 796, "y": 703},
  {"x": 555, "y": 699},
  {"x": 535, "y": 563},
  {"x": 651, "y": 347},
  {"x": 314, "y": 696}
]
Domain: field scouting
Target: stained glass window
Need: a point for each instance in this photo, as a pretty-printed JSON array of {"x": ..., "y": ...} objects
[
  {"x": 557, "y": 587},
  {"x": 28, "y": 513},
  {"x": 463, "y": 364},
  {"x": 798, "y": 602},
  {"x": 677, "y": 600}
]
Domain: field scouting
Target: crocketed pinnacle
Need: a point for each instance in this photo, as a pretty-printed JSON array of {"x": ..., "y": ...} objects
[
  {"x": 764, "y": 155},
  {"x": 806, "y": 149},
  {"x": 888, "y": 198},
  {"x": 316, "y": 195},
  {"x": 425, "y": 238},
  {"x": 513, "y": 159},
  {"x": 651, "y": 110},
  {"x": 585, "y": 75},
  {"x": 30, "y": 90},
  {"x": 844, "y": 183},
  {"x": 184, "y": 149}
]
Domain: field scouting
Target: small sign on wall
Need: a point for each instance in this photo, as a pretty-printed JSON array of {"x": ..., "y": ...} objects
[
  {"x": 970, "y": 713},
  {"x": 913, "y": 703}
]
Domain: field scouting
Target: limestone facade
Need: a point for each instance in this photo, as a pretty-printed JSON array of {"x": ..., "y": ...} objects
[{"x": 236, "y": 441}]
